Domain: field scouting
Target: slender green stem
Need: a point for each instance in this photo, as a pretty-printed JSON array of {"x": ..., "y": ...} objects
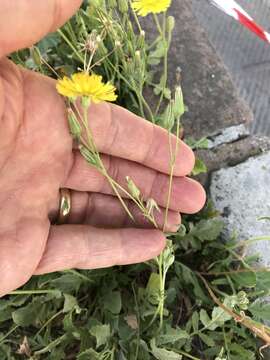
[
  {"x": 152, "y": 118},
  {"x": 141, "y": 106},
  {"x": 240, "y": 258},
  {"x": 172, "y": 166},
  {"x": 165, "y": 60},
  {"x": 48, "y": 322},
  {"x": 80, "y": 57},
  {"x": 32, "y": 292},
  {"x": 154, "y": 43},
  {"x": 139, "y": 96},
  {"x": 49, "y": 66},
  {"x": 119, "y": 197},
  {"x": 71, "y": 32},
  {"x": 139, "y": 203},
  {"x": 135, "y": 17},
  {"x": 226, "y": 343},
  {"x": 185, "y": 354},
  {"x": 249, "y": 242},
  {"x": 158, "y": 25},
  {"x": 115, "y": 186},
  {"x": 51, "y": 345},
  {"x": 103, "y": 170},
  {"x": 153, "y": 319},
  {"x": 8, "y": 333},
  {"x": 161, "y": 290},
  {"x": 165, "y": 78},
  {"x": 162, "y": 272},
  {"x": 80, "y": 275},
  {"x": 89, "y": 135}
]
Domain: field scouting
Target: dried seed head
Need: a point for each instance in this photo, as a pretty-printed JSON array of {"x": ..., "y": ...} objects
[
  {"x": 151, "y": 205},
  {"x": 92, "y": 42}
]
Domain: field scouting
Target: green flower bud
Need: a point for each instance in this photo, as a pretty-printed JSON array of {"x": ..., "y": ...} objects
[
  {"x": 123, "y": 6},
  {"x": 36, "y": 55},
  {"x": 88, "y": 155},
  {"x": 242, "y": 300},
  {"x": 119, "y": 49},
  {"x": 112, "y": 4},
  {"x": 170, "y": 24},
  {"x": 141, "y": 40},
  {"x": 133, "y": 189},
  {"x": 138, "y": 60},
  {"x": 85, "y": 101},
  {"x": 130, "y": 32},
  {"x": 74, "y": 126},
  {"x": 179, "y": 106},
  {"x": 168, "y": 117},
  {"x": 129, "y": 67},
  {"x": 151, "y": 205}
]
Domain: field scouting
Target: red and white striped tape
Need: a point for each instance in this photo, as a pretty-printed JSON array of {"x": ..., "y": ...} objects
[{"x": 231, "y": 8}]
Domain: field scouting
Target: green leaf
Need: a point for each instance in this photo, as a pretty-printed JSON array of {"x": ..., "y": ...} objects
[
  {"x": 88, "y": 354},
  {"x": 163, "y": 354},
  {"x": 102, "y": 333},
  {"x": 168, "y": 255},
  {"x": 241, "y": 352},
  {"x": 207, "y": 339},
  {"x": 245, "y": 279},
  {"x": 70, "y": 303},
  {"x": 112, "y": 302},
  {"x": 157, "y": 54},
  {"x": 260, "y": 310},
  {"x": 199, "y": 168},
  {"x": 5, "y": 314},
  {"x": 204, "y": 318},
  {"x": 67, "y": 283},
  {"x": 153, "y": 288},
  {"x": 208, "y": 230},
  {"x": 202, "y": 143},
  {"x": 50, "y": 41},
  {"x": 27, "y": 315},
  {"x": 195, "y": 321},
  {"x": 172, "y": 335},
  {"x": 219, "y": 317}
]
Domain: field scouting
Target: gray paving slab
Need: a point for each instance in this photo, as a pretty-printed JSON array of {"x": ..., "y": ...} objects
[
  {"x": 242, "y": 195},
  {"x": 246, "y": 56}
]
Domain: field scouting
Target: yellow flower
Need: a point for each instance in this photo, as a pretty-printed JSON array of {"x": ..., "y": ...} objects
[
  {"x": 145, "y": 7},
  {"x": 83, "y": 84}
]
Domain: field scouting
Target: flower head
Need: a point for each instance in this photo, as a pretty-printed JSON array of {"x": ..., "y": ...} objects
[
  {"x": 145, "y": 7},
  {"x": 83, "y": 84}
]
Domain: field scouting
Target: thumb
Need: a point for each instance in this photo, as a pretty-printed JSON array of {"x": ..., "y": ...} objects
[{"x": 24, "y": 22}]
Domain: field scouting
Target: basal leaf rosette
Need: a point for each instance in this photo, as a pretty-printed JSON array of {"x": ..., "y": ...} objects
[
  {"x": 86, "y": 85},
  {"x": 145, "y": 7}
]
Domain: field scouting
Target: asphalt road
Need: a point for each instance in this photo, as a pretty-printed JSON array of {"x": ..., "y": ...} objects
[{"x": 246, "y": 56}]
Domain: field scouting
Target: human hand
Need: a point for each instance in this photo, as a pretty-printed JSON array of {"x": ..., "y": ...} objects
[{"x": 37, "y": 159}]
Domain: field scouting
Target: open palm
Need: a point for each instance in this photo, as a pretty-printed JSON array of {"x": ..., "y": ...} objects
[{"x": 37, "y": 158}]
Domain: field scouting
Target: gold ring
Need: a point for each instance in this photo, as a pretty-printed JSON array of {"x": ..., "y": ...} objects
[{"x": 64, "y": 206}]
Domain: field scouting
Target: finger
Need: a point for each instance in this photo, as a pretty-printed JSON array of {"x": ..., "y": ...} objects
[
  {"x": 105, "y": 211},
  {"x": 188, "y": 196},
  {"x": 24, "y": 22},
  {"x": 123, "y": 134},
  {"x": 86, "y": 247},
  {"x": 28, "y": 236}
]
